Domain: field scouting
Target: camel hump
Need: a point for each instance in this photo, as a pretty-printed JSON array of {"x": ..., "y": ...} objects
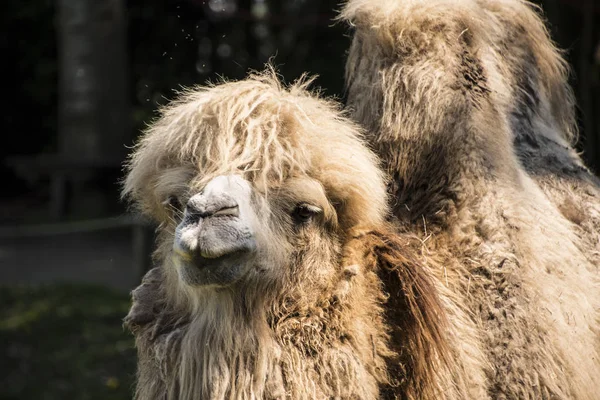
[{"x": 490, "y": 45}]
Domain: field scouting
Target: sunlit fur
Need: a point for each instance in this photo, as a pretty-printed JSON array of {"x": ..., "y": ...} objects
[
  {"x": 319, "y": 321},
  {"x": 467, "y": 103},
  {"x": 253, "y": 126}
]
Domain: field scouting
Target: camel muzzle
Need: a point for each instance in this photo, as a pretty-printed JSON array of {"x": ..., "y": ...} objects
[{"x": 215, "y": 238}]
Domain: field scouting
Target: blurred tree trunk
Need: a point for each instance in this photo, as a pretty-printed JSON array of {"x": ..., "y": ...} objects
[{"x": 93, "y": 109}]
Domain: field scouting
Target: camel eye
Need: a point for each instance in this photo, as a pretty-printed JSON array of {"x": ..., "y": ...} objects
[
  {"x": 304, "y": 212},
  {"x": 173, "y": 203}
]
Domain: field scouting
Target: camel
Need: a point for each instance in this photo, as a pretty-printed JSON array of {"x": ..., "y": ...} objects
[
  {"x": 467, "y": 104},
  {"x": 277, "y": 273},
  {"x": 285, "y": 270}
]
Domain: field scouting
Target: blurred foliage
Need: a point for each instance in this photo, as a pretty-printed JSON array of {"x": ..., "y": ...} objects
[
  {"x": 171, "y": 44},
  {"x": 28, "y": 48},
  {"x": 187, "y": 42},
  {"x": 64, "y": 342}
]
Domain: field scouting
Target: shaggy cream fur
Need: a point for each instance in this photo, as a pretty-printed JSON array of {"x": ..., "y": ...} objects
[
  {"x": 467, "y": 103},
  {"x": 252, "y": 126}
]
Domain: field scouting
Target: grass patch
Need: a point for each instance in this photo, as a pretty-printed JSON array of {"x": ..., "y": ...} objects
[{"x": 64, "y": 342}]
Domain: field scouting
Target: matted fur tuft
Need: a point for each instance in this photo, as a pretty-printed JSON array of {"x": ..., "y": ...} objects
[{"x": 467, "y": 103}]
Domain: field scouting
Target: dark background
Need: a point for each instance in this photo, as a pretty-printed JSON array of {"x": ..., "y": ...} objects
[{"x": 82, "y": 79}]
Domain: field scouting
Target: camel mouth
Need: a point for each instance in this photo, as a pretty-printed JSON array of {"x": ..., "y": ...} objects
[
  {"x": 222, "y": 271},
  {"x": 213, "y": 251}
]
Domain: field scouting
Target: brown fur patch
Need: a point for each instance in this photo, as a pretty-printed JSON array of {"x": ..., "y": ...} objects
[{"x": 413, "y": 312}]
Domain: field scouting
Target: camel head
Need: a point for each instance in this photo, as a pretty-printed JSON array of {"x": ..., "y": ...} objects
[
  {"x": 254, "y": 185},
  {"x": 273, "y": 252}
]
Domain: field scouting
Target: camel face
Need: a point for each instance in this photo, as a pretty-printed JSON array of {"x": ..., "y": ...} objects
[
  {"x": 215, "y": 242},
  {"x": 253, "y": 187},
  {"x": 226, "y": 232}
]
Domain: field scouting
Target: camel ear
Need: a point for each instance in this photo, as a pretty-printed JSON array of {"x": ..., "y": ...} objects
[{"x": 413, "y": 309}]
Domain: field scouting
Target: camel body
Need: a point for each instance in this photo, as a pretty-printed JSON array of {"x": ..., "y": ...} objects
[{"x": 468, "y": 105}]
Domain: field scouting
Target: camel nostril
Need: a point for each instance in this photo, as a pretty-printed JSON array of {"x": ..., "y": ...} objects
[
  {"x": 228, "y": 211},
  {"x": 206, "y": 209},
  {"x": 192, "y": 208}
]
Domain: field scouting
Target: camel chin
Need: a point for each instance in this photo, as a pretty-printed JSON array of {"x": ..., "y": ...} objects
[{"x": 214, "y": 243}]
